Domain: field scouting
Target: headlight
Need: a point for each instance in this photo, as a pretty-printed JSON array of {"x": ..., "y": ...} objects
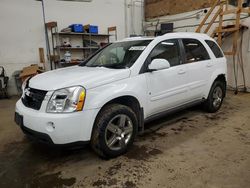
[{"x": 67, "y": 100}]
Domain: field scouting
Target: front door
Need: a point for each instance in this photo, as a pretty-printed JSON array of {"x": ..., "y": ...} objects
[{"x": 167, "y": 88}]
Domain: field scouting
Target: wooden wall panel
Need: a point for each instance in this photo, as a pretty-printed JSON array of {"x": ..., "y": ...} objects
[{"x": 156, "y": 8}]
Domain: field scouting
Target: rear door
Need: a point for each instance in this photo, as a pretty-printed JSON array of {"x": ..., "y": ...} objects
[{"x": 199, "y": 65}]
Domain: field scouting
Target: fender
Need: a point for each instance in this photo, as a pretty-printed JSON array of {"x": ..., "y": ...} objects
[{"x": 136, "y": 87}]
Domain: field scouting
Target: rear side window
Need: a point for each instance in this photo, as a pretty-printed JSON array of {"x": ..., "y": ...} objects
[
  {"x": 215, "y": 48},
  {"x": 194, "y": 50}
]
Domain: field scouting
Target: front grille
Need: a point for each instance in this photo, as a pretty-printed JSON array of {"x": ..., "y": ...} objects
[{"x": 33, "y": 98}]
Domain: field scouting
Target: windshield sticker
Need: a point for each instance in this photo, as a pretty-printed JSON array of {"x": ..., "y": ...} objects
[{"x": 137, "y": 48}]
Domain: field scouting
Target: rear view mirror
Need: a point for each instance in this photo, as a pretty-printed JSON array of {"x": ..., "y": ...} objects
[{"x": 158, "y": 64}]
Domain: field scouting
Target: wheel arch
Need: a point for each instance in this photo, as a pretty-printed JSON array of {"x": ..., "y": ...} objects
[
  {"x": 217, "y": 77},
  {"x": 129, "y": 101}
]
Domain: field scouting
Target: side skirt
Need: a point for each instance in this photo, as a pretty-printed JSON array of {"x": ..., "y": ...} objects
[{"x": 172, "y": 110}]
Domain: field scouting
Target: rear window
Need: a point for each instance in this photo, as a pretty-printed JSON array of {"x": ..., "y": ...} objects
[
  {"x": 215, "y": 48},
  {"x": 195, "y": 51}
]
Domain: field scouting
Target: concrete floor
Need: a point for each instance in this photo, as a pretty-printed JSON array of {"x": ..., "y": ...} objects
[{"x": 190, "y": 149}]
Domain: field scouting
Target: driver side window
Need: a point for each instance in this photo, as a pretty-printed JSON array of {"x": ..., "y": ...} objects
[{"x": 168, "y": 50}]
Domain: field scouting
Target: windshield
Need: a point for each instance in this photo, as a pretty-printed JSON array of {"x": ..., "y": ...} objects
[{"x": 118, "y": 55}]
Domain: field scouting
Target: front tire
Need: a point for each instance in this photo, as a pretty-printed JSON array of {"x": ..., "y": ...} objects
[
  {"x": 215, "y": 97},
  {"x": 114, "y": 131}
]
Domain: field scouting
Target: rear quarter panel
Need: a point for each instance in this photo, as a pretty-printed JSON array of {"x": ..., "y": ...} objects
[{"x": 220, "y": 68}]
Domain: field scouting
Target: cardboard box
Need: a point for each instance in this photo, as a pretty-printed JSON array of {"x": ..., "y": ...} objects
[{"x": 30, "y": 71}]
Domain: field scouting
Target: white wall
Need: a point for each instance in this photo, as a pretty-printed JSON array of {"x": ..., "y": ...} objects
[
  {"x": 186, "y": 22},
  {"x": 22, "y": 31},
  {"x": 246, "y": 59}
]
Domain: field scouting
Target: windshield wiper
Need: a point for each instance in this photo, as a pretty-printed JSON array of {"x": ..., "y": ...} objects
[
  {"x": 93, "y": 66},
  {"x": 115, "y": 66}
]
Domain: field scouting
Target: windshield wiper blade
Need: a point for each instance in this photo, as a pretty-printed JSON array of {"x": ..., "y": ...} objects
[
  {"x": 118, "y": 66},
  {"x": 93, "y": 66},
  {"x": 109, "y": 66}
]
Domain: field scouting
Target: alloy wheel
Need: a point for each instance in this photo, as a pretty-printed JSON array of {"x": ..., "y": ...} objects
[
  {"x": 118, "y": 132},
  {"x": 217, "y": 97}
]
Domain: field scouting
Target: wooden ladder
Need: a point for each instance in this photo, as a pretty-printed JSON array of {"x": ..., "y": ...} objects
[{"x": 222, "y": 10}]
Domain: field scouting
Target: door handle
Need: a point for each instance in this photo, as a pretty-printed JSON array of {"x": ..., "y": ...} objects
[
  {"x": 181, "y": 71},
  {"x": 209, "y": 65}
]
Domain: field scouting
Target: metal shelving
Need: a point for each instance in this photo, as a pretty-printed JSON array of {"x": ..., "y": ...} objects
[
  {"x": 86, "y": 50},
  {"x": 75, "y": 48},
  {"x": 84, "y": 34}
]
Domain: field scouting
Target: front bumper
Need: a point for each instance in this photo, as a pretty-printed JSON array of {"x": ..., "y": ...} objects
[{"x": 59, "y": 129}]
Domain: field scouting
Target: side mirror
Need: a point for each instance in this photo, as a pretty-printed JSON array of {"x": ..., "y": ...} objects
[{"x": 158, "y": 64}]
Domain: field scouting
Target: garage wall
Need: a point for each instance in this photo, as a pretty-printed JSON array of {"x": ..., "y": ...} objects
[
  {"x": 246, "y": 59},
  {"x": 187, "y": 22},
  {"x": 155, "y": 8},
  {"x": 22, "y": 33}
]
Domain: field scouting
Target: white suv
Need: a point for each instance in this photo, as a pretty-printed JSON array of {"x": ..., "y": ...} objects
[{"x": 107, "y": 100}]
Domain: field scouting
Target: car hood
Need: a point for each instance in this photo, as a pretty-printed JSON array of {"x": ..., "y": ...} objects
[{"x": 88, "y": 77}]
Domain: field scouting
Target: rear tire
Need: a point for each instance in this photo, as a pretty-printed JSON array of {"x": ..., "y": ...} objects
[
  {"x": 215, "y": 97},
  {"x": 114, "y": 131}
]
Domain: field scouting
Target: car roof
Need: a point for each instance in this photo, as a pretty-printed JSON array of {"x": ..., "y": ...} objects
[{"x": 170, "y": 35}]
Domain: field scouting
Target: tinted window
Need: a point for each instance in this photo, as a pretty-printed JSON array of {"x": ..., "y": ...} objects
[
  {"x": 168, "y": 50},
  {"x": 195, "y": 51},
  {"x": 215, "y": 48}
]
